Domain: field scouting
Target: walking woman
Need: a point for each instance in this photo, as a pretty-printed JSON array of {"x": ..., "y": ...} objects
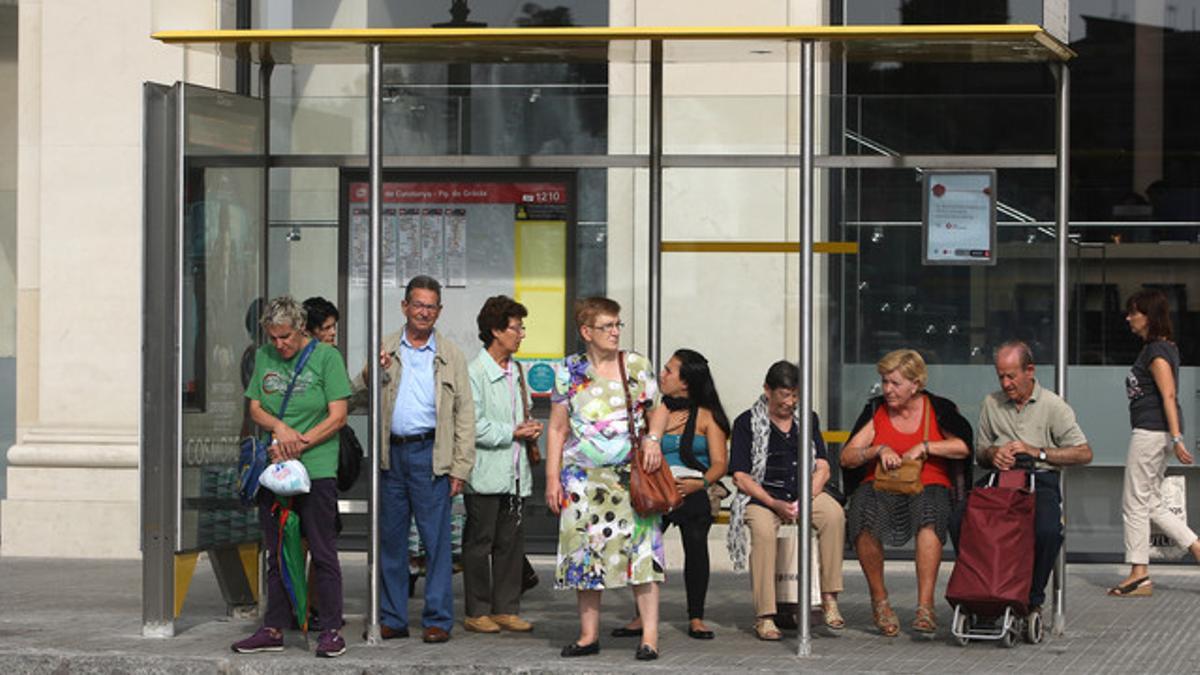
[
  {"x": 1157, "y": 422},
  {"x": 691, "y": 428},
  {"x": 602, "y": 542}
]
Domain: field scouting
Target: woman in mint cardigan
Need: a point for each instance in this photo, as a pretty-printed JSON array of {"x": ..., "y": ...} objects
[{"x": 493, "y": 551}]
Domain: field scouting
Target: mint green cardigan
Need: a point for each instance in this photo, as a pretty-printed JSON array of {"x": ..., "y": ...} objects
[{"x": 493, "y": 470}]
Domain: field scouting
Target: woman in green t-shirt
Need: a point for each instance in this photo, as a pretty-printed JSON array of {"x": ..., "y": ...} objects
[{"x": 308, "y": 430}]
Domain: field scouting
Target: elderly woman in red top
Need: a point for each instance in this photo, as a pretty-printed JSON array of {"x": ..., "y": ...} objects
[{"x": 909, "y": 423}]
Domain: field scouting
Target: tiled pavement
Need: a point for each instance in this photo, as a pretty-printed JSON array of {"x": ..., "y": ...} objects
[{"x": 85, "y": 616}]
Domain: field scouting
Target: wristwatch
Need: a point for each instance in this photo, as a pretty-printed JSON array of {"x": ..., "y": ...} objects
[
  {"x": 1176, "y": 439},
  {"x": 1041, "y": 454}
]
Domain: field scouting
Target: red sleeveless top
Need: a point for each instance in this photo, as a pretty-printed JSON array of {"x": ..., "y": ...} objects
[{"x": 934, "y": 472}]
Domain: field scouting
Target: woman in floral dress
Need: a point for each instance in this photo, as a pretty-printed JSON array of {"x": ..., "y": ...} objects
[{"x": 602, "y": 542}]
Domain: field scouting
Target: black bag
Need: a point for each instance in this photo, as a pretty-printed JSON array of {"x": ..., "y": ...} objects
[{"x": 350, "y": 456}]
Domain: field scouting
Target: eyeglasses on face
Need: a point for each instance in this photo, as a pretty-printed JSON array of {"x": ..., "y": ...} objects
[
  {"x": 609, "y": 327},
  {"x": 422, "y": 307},
  {"x": 518, "y": 328}
]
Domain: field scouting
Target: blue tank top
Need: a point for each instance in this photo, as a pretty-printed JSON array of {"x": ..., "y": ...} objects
[{"x": 670, "y": 449}]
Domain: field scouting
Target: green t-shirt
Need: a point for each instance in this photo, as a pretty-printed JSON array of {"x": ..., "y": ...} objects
[{"x": 323, "y": 380}]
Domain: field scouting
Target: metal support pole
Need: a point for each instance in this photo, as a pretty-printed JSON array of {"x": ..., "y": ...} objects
[
  {"x": 374, "y": 324},
  {"x": 804, "y": 476},
  {"x": 1061, "y": 215},
  {"x": 654, "y": 288}
]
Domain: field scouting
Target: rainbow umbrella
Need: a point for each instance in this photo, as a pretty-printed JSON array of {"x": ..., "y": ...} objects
[{"x": 290, "y": 552}]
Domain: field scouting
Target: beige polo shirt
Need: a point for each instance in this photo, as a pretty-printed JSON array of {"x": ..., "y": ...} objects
[{"x": 1046, "y": 421}]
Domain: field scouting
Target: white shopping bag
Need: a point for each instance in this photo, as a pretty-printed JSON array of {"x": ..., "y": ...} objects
[
  {"x": 286, "y": 478},
  {"x": 787, "y": 568},
  {"x": 1174, "y": 499}
]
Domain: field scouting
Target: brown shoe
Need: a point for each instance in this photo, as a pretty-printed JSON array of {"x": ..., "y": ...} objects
[
  {"x": 389, "y": 633},
  {"x": 512, "y": 622},
  {"x": 435, "y": 635},
  {"x": 481, "y": 624}
]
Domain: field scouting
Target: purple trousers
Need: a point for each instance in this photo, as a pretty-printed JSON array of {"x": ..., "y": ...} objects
[{"x": 318, "y": 513}]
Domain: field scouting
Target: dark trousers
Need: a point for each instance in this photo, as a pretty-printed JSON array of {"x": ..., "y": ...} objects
[
  {"x": 317, "y": 511},
  {"x": 493, "y": 554},
  {"x": 694, "y": 519},
  {"x": 410, "y": 491},
  {"x": 1048, "y": 527}
]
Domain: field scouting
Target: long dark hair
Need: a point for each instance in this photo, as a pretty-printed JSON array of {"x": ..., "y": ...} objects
[
  {"x": 693, "y": 370},
  {"x": 1153, "y": 303}
]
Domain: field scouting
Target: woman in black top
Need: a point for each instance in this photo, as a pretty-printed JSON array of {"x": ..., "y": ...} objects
[{"x": 1157, "y": 422}]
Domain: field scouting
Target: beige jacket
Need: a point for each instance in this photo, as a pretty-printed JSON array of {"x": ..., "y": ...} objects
[{"x": 454, "y": 443}]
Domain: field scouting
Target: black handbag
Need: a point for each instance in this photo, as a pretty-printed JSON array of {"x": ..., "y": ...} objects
[{"x": 350, "y": 457}]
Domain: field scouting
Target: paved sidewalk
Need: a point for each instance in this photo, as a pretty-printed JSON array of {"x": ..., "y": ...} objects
[{"x": 85, "y": 616}]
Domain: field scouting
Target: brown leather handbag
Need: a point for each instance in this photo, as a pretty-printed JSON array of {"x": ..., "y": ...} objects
[
  {"x": 649, "y": 492},
  {"x": 905, "y": 479}
]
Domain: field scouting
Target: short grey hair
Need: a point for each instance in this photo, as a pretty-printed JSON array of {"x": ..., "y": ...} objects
[
  {"x": 1022, "y": 348},
  {"x": 283, "y": 311}
]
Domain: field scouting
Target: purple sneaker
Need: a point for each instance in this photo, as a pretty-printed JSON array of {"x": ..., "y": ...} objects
[
  {"x": 330, "y": 644},
  {"x": 263, "y": 640}
]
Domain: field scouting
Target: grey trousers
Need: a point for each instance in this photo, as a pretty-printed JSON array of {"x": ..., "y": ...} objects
[{"x": 493, "y": 554}]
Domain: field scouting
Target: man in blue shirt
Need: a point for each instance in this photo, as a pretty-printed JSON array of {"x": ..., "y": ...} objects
[{"x": 429, "y": 432}]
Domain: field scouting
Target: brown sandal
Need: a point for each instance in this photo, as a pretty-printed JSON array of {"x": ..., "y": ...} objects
[
  {"x": 833, "y": 617},
  {"x": 885, "y": 618},
  {"x": 926, "y": 621},
  {"x": 765, "y": 629}
]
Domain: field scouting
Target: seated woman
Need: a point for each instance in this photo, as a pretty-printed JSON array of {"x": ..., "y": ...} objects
[
  {"x": 906, "y": 423},
  {"x": 692, "y": 429},
  {"x": 763, "y": 460}
]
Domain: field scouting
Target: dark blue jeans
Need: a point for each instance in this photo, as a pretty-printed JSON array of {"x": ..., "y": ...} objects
[
  {"x": 318, "y": 512},
  {"x": 410, "y": 490}
]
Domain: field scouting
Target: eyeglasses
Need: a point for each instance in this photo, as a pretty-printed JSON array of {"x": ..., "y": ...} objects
[
  {"x": 422, "y": 307},
  {"x": 519, "y": 329},
  {"x": 609, "y": 327}
]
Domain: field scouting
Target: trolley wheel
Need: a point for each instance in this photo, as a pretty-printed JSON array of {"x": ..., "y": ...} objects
[
  {"x": 1010, "y": 638},
  {"x": 961, "y": 623},
  {"x": 1034, "y": 628}
]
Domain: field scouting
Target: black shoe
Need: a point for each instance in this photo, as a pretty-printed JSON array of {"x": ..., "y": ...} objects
[
  {"x": 626, "y": 632},
  {"x": 786, "y": 621},
  {"x": 528, "y": 582},
  {"x": 645, "y": 653},
  {"x": 701, "y": 634},
  {"x": 576, "y": 649}
]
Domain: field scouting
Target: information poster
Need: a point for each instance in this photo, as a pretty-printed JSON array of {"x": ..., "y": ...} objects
[{"x": 959, "y": 223}]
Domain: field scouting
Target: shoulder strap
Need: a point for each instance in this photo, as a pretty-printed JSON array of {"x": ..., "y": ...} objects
[
  {"x": 928, "y": 413},
  {"x": 633, "y": 434},
  {"x": 524, "y": 391},
  {"x": 308, "y": 350}
]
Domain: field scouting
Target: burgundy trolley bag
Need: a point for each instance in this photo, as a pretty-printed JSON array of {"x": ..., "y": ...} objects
[{"x": 994, "y": 569}]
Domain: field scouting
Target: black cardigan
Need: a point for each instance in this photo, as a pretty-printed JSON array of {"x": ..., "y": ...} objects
[{"x": 945, "y": 412}]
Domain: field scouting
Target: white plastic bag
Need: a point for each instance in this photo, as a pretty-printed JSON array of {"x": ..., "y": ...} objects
[{"x": 286, "y": 478}]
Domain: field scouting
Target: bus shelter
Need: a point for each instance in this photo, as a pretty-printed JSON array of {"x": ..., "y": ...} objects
[{"x": 210, "y": 196}]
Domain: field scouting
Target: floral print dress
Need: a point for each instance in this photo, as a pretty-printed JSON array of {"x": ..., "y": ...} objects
[{"x": 602, "y": 542}]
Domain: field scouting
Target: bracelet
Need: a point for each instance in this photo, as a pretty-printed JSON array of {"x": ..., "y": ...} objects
[
  {"x": 1177, "y": 439},
  {"x": 926, "y": 449},
  {"x": 706, "y": 483},
  {"x": 654, "y": 438}
]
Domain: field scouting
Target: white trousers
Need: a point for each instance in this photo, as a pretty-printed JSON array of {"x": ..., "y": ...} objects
[{"x": 1141, "y": 500}]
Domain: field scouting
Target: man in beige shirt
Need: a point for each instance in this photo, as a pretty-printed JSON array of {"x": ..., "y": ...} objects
[{"x": 1028, "y": 425}]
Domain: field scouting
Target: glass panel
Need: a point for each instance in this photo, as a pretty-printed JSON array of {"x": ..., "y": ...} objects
[{"x": 221, "y": 302}]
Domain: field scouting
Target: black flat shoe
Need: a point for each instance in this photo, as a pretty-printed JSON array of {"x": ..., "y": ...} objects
[
  {"x": 626, "y": 632},
  {"x": 701, "y": 634},
  {"x": 645, "y": 653},
  {"x": 576, "y": 649}
]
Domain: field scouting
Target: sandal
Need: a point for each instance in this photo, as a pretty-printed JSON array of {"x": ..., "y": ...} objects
[
  {"x": 926, "y": 621},
  {"x": 833, "y": 617},
  {"x": 885, "y": 618},
  {"x": 1137, "y": 588},
  {"x": 765, "y": 629}
]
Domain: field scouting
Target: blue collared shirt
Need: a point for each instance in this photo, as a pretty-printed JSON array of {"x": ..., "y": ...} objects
[{"x": 416, "y": 407}]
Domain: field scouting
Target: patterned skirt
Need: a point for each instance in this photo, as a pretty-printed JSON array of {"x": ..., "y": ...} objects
[
  {"x": 602, "y": 542},
  {"x": 893, "y": 518}
]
